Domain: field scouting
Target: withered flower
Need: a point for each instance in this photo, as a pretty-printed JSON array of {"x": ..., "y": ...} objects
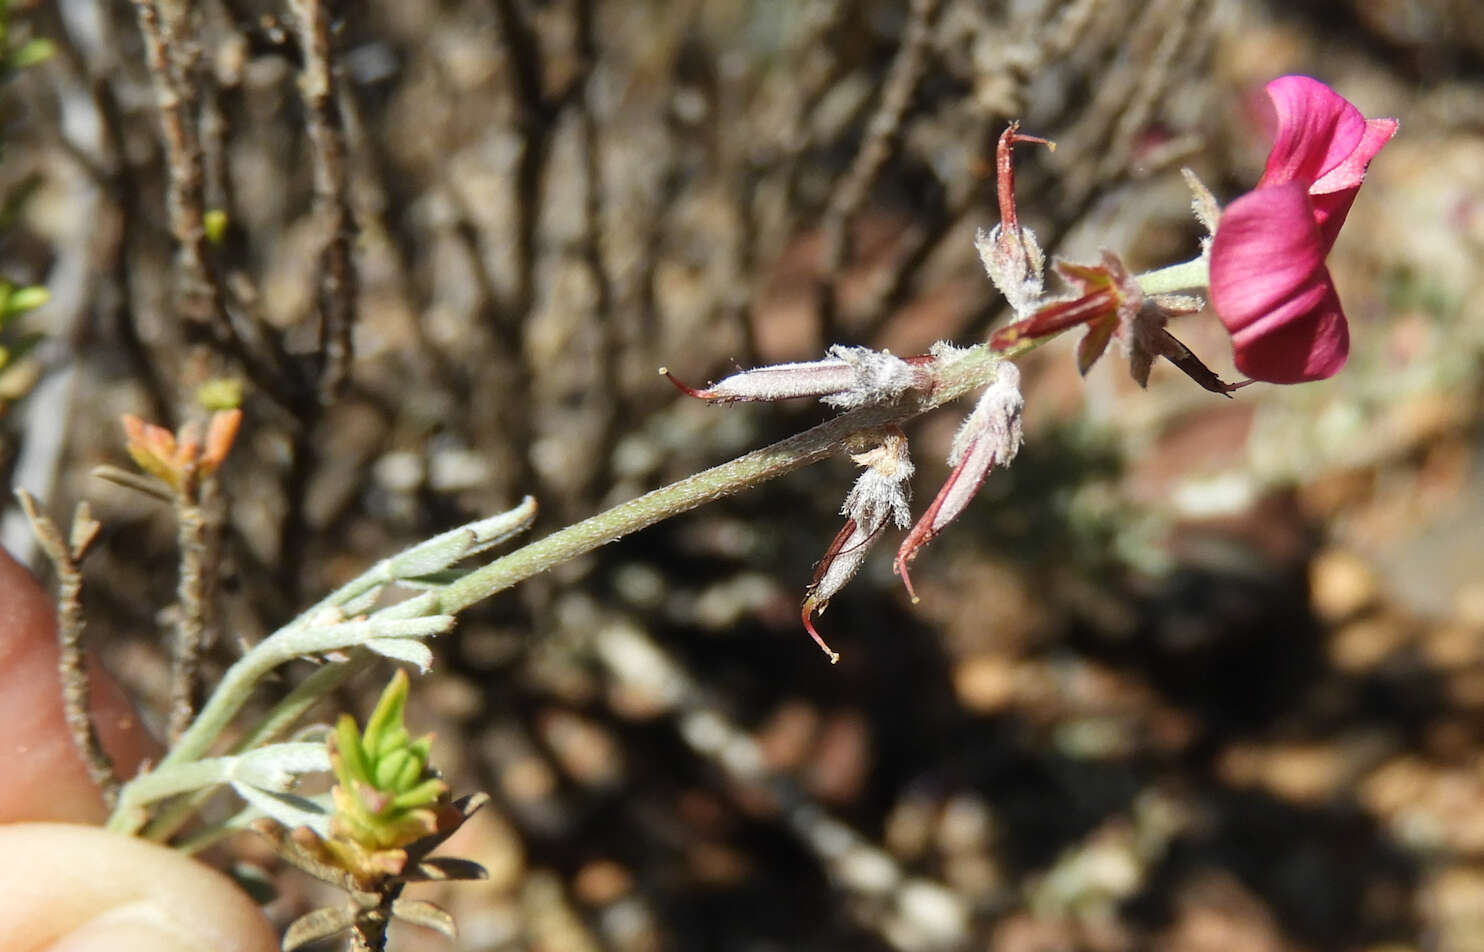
[
  {"x": 990, "y": 437},
  {"x": 881, "y": 493},
  {"x": 177, "y": 461},
  {"x": 1108, "y": 301},
  {"x": 849, "y": 377},
  {"x": 1010, "y": 253}
]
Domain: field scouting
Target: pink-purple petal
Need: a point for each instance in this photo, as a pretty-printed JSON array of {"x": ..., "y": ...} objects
[
  {"x": 1350, "y": 171},
  {"x": 1313, "y": 345},
  {"x": 1318, "y": 129},
  {"x": 1333, "y": 194},
  {"x": 1270, "y": 288}
]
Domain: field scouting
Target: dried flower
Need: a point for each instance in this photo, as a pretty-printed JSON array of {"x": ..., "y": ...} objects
[
  {"x": 1269, "y": 284},
  {"x": 990, "y": 437},
  {"x": 1011, "y": 256},
  {"x": 849, "y": 377},
  {"x": 1110, "y": 304},
  {"x": 881, "y": 493}
]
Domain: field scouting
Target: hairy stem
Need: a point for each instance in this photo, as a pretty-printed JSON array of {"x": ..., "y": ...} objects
[
  {"x": 273, "y": 726},
  {"x": 1190, "y": 275},
  {"x": 337, "y": 274},
  {"x": 958, "y": 373},
  {"x": 196, "y": 536},
  {"x": 964, "y": 372}
]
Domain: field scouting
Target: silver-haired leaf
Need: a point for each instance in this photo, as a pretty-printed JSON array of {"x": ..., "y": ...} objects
[
  {"x": 319, "y": 924},
  {"x": 422, "y": 913},
  {"x": 415, "y": 607},
  {"x": 405, "y": 650},
  {"x": 285, "y": 808}
]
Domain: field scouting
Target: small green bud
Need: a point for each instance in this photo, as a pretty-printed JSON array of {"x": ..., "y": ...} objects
[
  {"x": 26, "y": 299},
  {"x": 31, "y": 53},
  {"x": 215, "y": 223},
  {"x": 220, "y": 393},
  {"x": 410, "y": 772},
  {"x": 424, "y": 794},
  {"x": 349, "y": 758}
]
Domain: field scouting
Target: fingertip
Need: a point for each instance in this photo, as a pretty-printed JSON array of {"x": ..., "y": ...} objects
[
  {"x": 140, "y": 927},
  {"x": 83, "y": 889}
]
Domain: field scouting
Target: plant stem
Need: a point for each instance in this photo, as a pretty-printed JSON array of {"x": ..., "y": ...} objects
[
  {"x": 196, "y": 537},
  {"x": 962, "y": 373},
  {"x": 1187, "y": 276},
  {"x": 279, "y": 719},
  {"x": 959, "y": 373},
  {"x": 72, "y": 667}
]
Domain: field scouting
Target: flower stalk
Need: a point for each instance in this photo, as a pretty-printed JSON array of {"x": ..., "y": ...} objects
[{"x": 957, "y": 375}]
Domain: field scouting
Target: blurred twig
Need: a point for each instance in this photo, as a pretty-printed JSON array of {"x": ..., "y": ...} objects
[
  {"x": 167, "y": 42},
  {"x": 854, "y": 862},
  {"x": 337, "y": 284},
  {"x": 882, "y": 132}
]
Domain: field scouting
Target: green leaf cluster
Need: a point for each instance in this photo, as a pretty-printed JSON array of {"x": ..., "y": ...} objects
[{"x": 386, "y": 795}]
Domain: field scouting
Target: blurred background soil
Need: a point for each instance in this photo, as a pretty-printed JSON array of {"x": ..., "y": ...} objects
[{"x": 1193, "y": 675}]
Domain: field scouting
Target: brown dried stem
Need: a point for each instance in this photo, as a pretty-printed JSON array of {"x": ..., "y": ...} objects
[
  {"x": 198, "y": 534},
  {"x": 65, "y": 555},
  {"x": 337, "y": 274},
  {"x": 882, "y": 132},
  {"x": 199, "y": 294},
  {"x": 634, "y": 660}
]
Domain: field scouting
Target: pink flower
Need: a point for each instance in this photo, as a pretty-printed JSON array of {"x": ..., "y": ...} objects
[{"x": 1269, "y": 284}]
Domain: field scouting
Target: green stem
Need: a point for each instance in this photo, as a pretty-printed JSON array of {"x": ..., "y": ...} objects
[
  {"x": 972, "y": 369},
  {"x": 274, "y": 724},
  {"x": 231, "y": 693},
  {"x": 1192, "y": 275},
  {"x": 959, "y": 374}
]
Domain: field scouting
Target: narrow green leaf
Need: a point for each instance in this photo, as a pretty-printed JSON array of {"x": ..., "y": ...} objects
[
  {"x": 421, "y": 795},
  {"x": 350, "y": 762}
]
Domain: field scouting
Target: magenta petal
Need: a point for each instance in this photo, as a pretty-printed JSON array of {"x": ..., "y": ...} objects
[
  {"x": 1350, "y": 171},
  {"x": 1335, "y": 191},
  {"x": 1318, "y": 129},
  {"x": 1270, "y": 288},
  {"x": 1313, "y": 346}
]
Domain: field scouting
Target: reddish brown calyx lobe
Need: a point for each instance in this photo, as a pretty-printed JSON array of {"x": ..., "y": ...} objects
[
  {"x": 1004, "y": 164},
  {"x": 839, "y": 563},
  {"x": 686, "y": 389},
  {"x": 807, "y": 614},
  {"x": 1106, "y": 298}
]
